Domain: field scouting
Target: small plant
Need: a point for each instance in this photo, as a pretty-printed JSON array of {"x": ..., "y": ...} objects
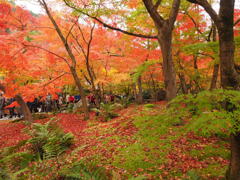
[
  {"x": 192, "y": 175},
  {"x": 107, "y": 111},
  {"x": 81, "y": 170},
  {"x": 70, "y": 108},
  {"x": 47, "y": 141},
  {"x": 149, "y": 106},
  {"x": 125, "y": 102}
]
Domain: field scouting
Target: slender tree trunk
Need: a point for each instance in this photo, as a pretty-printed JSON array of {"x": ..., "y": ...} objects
[
  {"x": 214, "y": 77},
  {"x": 183, "y": 83},
  {"x": 80, "y": 88},
  {"x": 134, "y": 91},
  {"x": 216, "y": 66},
  {"x": 197, "y": 76},
  {"x": 139, "y": 94},
  {"x": 71, "y": 55},
  {"x": 165, "y": 41},
  {"x": 25, "y": 110},
  {"x": 154, "y": 89}
]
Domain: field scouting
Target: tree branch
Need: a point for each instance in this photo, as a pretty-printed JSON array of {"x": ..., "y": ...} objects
[
  {"x": 173, "y": 13},
  {"x": 158, "y": 20},
  {"x": 195, "y": 24},
  {"x": 236, "y": 22},
  {"x": 79, "y": 45},
  {"x": 157, "y": 4},
  {"x": 83, "y": 37},
  {"x": 54, "y": 79},
  {"x": 109, "y": 26},
  {"x": 70, "y": 30},
  {"x": 60, "y": 34},
  {"x": 33, "y": 46},
  {"x": 208, "y": 8}
]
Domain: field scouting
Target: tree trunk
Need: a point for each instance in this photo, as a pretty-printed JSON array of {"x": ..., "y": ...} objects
[
  {"x": 154, "y": 89},
  {"x": 25, "y": 110},
  {"x": 81, "y": 91},
  {"x": 216, "y": 66},
  {"x": 229, "y": 76},
  {"x": 139, "y": 94},
  {"x": 134, "y": 91},
  {"x": 230, "y": 79},
  {"x": 214, "y": 77},
  {"x": 234, "y": 171},
  {"x": 183, "y": 83},
  {"x": 165, "y": 41}
]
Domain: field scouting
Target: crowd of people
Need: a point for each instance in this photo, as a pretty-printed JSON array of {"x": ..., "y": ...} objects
[{"x": 9, "y": 108}]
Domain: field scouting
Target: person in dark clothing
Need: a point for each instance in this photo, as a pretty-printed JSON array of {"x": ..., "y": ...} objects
[
  {"x": 35, "y": 104},
  {"x": 112, "y": 98},
  {"x": 48, "y": 103},
  {"x": 77, "y": 98},
  {"x": 2, "y": 103}
]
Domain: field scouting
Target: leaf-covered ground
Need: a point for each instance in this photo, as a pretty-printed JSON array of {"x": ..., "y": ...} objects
[{"x": 139, "y": 143}]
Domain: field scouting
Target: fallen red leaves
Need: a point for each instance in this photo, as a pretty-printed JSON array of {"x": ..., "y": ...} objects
[
  {"x": 11, "y": 134},
  {"x": 105, "y": 139}
]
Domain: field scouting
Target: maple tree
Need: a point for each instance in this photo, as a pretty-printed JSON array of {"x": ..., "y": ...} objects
[
  {"x": 41, "y": 54},
  {"x": 164, "y": 28},
  {"x": 224, "y": 22},
  {"x": 9, "y": 51}
]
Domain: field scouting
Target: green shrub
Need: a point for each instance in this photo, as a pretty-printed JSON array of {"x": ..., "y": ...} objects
[
  {"x": 125, "y": 102},
  {"x": 210, "y": 112}
]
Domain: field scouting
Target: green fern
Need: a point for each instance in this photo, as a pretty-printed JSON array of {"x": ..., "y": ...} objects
[{"x": 83, "y": 171}]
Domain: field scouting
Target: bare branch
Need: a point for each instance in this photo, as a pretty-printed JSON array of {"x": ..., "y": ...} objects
[
  {"x": 60, "y": 34},
  {"x": 17, "y": 52},
  {"x": 208, "y": 8},
  {"x": 79, "y": 45},
  {"x": 86, "y": 78},
  {"x": 195, "y": 24},
  {"x": 33, "y": 46},
  {"x": 90, "y": 41},
  {"x": 58, "y": 77},
  {"x": 109, "y": 26},
  {"x": 209, "y": 35},
  {"x": 70, "y": 30},
  {"x": 236, "y": 22},
  {"x": 83, "y": 37}
]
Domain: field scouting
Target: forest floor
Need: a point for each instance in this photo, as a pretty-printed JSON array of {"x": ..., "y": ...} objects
[{"x": 138, "y": 143}]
